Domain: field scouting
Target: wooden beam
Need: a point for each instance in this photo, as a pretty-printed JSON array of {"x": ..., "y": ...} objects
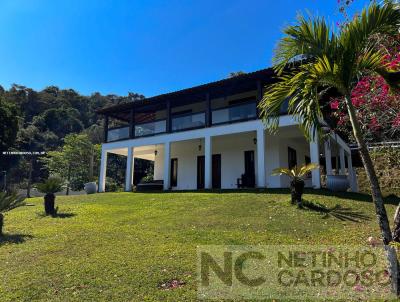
[
  {"x": 259, "y": 96},
  {"x": 168, "y": 116},
  {"x": 208, "y": 110},
  {"x": 132, "y": 123},
  {"x": 106, "y": 128}
]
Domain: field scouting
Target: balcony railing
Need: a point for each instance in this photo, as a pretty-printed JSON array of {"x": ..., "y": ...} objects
[
  {"x": 188, "y": 121},
  {"x": 116, "y": 134},
  {"x": 235, "y": 113},
  {"x": 231, "y": 114},
  {"x": 151, "y": 128}
]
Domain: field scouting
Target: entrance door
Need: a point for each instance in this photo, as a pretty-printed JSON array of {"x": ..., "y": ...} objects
[
  {"x": 200, "y": 171},
  {"x": 249, "y": 169},
  {"x": 216, "y": 171},
  {"x": 174, "y": 172}
]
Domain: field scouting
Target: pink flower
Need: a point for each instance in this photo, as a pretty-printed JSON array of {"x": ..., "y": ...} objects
[{"x": 335, "y": 104}]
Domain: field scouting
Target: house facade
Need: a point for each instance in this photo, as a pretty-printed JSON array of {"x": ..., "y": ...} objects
[{"x": 211, "y": 137}]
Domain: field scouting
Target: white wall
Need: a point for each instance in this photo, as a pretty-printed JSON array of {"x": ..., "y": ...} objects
[{"x": 232, "y": 148}]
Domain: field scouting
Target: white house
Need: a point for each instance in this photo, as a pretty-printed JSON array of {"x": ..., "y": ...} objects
[{"x": 210, "y": 136}]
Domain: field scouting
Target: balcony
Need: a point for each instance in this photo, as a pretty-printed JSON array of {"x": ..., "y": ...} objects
[
  {"x": 234, "y": 113},
  {"x": 151, "y": 128},
  {"x": 188, "y": 121},
  {"x": 118, "y": 133},
  {"x": 156, "y": 122}
]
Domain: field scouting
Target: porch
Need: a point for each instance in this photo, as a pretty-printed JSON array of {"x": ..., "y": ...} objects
[{"x": 231, "y": 156}]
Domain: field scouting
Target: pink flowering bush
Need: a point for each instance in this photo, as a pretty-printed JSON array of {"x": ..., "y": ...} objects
[{"x": 378, "y": 108}]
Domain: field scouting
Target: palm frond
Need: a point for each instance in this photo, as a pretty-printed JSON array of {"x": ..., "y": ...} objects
[
  {"x": 283, "y": 171},
  {"x": 335, "y": 60},
  {"x": 51, "y": 185},
  {"x": 306, "y": 169},
  {"x": 297, "y": 171},
  {"x": 9, "y": 201},
  {"x": 310, "y": 38}
]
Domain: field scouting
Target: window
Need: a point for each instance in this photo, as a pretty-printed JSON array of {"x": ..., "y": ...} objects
[
  {"x": 292, "y": 158},
  {"x": 307, "y": 160},
  {"x": 174, "y": 172}
]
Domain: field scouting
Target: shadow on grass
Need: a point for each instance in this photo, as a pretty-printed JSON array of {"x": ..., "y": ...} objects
[
  {"x": 390, "y": 199},
  {"x": 57, "y": 215},
  {"x": 338, "y": 212},
  {"x": 14, "y": 238}
]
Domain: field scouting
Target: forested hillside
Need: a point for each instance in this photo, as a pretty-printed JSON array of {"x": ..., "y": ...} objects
[{"x": 38, "y": 121}]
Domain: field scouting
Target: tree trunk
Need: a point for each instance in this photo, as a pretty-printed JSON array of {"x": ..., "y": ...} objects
[
  {"x": 376, "y": 195},
  {"x": 68, "y": 179},
  {"x": 371, "y": 174},
  {"x": 91, "y": 165},
  {"x": 1, "y": 223},
  {"x": 28, "y": 188},
  {"x": 49, "y": 201},
  {"x": 297, "y": 189}
]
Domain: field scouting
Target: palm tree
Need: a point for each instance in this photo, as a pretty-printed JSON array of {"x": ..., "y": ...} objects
[
  {"x": 8, "y": 201},
  {"x": 296, "y": 175},
  {"x": 313, "y": 57},
  {"x": 332, "y": 60},
  {"x": 51, "y": 186}
]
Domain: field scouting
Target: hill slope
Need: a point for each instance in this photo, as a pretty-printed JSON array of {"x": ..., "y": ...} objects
[{"x": 121, "y": 246}]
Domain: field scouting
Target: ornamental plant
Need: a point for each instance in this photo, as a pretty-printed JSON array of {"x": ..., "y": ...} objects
[
  {"x": 377, "y": 106},
  {"x": 314, "y": 58}
]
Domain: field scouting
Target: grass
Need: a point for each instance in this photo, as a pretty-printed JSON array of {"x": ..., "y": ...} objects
[{"x": 123, "y": 246}]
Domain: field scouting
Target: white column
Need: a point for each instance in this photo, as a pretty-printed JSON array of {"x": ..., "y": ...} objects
[
  {"x": 352, "y": 174},
  {"x": 314, "y": 155},
  {"x": 208, "y": 162},
  {"x": 103, "y": 171},
  {"x": 342, "y": 162},
  {"x": 328, "y": 158},
  {"x": 167, "y": 165},
  {"x": 129, "y": 170},
  {"x": 261, "y": 157}
]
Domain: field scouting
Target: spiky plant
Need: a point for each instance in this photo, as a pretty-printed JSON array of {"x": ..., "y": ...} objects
[
  {"x": 51, "y": 186},
  {"x": 297, "y": 175},
  {"x": 8, "y": 201}
]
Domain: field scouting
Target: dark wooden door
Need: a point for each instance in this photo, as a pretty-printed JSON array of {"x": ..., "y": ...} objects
[
  {"x": 292, "y": 158},
  {"x": 174, "y": 172},
  {"x": 216, "y": 171},
  {"x": 249, "y": 168},
  {"x": 200, "y": 171}
]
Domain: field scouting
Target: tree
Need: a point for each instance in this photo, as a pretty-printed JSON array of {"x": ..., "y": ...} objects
[
  {"x": 7, "y": 203},
  {"x": 296, "y": 176},
  {"x": 51, "y": 186},
  {"x": 73, "y": 161},
  {"x": 8, "y": 125},
  {"x": 313, "y": 57}
]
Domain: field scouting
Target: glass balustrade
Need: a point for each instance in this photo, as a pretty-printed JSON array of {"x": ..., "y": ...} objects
[
  {"x": 188, "y": 121},
  {"x": 151, "y": 128},
  {"x": 234, "y": 113}
]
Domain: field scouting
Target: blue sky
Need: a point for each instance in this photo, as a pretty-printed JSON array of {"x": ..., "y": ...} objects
[{"x": 146, "y": 46}]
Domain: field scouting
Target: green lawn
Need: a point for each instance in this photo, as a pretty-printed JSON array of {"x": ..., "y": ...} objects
[{"x": 122, "y": 246}]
